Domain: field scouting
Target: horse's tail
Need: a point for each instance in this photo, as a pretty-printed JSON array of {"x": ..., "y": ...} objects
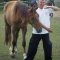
[{"x": 7, "y": 33}]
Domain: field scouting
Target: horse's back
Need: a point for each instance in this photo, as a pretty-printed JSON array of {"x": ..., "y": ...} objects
[
  {"x": 9, "y": 5},
  {"x": 15, "y": 11}
]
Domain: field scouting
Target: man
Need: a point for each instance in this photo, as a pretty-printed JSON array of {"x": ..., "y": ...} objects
[{"x": 44, "y": 19}]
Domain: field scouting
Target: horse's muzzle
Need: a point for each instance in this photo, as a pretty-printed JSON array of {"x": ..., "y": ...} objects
[{"x": 39, "y": 30}]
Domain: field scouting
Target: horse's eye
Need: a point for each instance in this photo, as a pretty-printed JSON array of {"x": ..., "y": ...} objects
[{"x": 32, "y": 18}]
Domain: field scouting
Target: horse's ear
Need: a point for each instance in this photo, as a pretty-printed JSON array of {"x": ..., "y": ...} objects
[
  {"x": 29, "y": 11},
  {"x": 32, "y": 9},
  {"x": 35, "y": 8}
]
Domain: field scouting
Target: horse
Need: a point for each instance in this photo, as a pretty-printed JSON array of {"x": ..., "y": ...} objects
[
  {"x": 17, "y": 15},
  {"x": 50, "y": 3}
]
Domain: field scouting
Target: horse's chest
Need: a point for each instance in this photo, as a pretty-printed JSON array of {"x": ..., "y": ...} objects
[{"x": 21, "y": 24}]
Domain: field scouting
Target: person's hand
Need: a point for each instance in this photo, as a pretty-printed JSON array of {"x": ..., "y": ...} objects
[
  {"x": 49, "y": 30},
  {"x": 45, "y": 7}
]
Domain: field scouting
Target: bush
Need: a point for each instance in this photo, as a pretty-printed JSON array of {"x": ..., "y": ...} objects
[
  {"x": 1, "y": 0},
  {"x": 6, "y": 0},
  {"x": 57, "y": 4}
]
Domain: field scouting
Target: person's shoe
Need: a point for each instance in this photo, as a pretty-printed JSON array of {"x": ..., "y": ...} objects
[{"x": 24, "y": 56}]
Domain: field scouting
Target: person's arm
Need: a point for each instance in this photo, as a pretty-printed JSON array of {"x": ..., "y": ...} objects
[
  {"x": 48, "y": 29},
  {"x": 53, "y": 7}
]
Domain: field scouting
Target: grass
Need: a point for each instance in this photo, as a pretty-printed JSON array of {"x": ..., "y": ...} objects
[{"x": 54, "y": 37}]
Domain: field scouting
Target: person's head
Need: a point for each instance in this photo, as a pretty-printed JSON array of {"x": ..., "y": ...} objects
[{"x": 41, "y": 3}]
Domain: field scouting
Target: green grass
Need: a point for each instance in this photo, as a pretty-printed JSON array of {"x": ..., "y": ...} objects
[{"x": 54, "y": 37}]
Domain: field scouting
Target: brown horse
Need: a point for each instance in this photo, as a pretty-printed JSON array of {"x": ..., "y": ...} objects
[{"x": 17, "y": 15}]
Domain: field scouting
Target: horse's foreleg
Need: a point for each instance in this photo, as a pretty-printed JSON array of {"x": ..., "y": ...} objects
[{"x": 24, "y": 41}]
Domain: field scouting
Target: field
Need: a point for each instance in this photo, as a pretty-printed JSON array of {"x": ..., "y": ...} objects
[{"x": 54, "y": 37}]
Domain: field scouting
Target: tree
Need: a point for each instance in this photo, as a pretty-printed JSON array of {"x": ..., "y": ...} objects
[
  {"x": 24, "y": 0},
  {"x": 1, "y": 0},
  {"x": 6, "y": 0}
]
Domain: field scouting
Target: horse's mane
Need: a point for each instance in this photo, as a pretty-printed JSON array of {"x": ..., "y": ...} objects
[{"x": 21, "y": 8}]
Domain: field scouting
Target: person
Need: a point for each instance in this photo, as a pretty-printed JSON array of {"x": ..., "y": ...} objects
[{"x": 44, "y": 18}]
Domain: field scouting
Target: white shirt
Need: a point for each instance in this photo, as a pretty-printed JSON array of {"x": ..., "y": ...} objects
[{"x": 44, "y": 18}]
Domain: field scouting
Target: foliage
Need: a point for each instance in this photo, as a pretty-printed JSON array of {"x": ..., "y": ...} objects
[
  {"x": 24, "y": 0},
  {"x": 58, "y": 4},
  {"x": 1, "y": 0},
  {"x": 6, "y": 0}
]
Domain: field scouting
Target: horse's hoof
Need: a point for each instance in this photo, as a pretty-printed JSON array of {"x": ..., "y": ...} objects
[
  {"x": 15, "y": 52},
  {"x": 12, "y": 56}
]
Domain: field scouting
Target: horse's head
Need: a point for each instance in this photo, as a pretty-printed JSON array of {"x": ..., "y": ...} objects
[{"x": 33, "y": 18}]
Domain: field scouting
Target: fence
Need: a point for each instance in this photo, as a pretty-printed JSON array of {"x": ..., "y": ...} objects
[{"x": 3, "y": 3}]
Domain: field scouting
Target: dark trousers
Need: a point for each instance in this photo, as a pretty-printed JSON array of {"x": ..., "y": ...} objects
[{"x": 33, "y": 45}]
